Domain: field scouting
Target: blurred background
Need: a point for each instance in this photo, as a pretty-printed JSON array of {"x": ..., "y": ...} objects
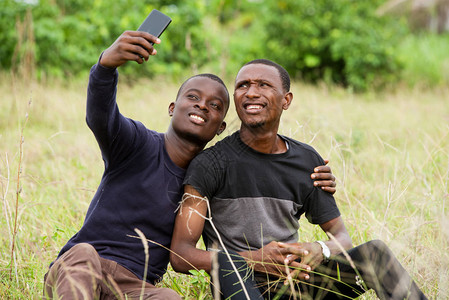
[
  {"x": 357, "y": 44},
  {"x": 371, "y": 91}
]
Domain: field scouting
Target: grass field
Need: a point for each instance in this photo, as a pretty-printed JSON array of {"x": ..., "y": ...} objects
[{"x": 389, "y": 151}]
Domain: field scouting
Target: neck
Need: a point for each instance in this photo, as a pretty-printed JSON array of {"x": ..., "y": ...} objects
[
  {"x": 262, "y": 140},
  {"x": 181, "y": 151}
]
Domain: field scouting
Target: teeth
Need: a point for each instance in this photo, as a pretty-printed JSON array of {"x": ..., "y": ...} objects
[
  {"x": 197, "y": 118},
  {"x": 254, "y": 106}
]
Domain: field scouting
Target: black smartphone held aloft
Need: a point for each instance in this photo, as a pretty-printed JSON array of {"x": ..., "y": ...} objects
[{"x": 155, "y": 23}]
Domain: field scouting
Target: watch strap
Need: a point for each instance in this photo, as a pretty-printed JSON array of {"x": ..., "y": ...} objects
[{"x": 325, "y": 250}]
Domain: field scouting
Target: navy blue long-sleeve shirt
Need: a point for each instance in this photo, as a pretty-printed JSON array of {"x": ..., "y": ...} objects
[{"x": 140, "y": 187}]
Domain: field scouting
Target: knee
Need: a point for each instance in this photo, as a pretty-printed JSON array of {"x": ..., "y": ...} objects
[
  {"x": 79, "y": 265},
  {"x": 378, "y": 246},
  {"x": 82, "y": 254},
  {"x": 370, "y": 251},
  {"x": 377, "y": 251},
  {"x": 83, "y": 250}
]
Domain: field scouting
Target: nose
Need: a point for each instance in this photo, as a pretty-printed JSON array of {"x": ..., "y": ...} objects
[
  {"x": 253, "y": 91},
  {"x": 201, "y": 104}
]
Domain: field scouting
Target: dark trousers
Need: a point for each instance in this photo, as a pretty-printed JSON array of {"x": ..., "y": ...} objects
[{"x": 376, "y": 268}]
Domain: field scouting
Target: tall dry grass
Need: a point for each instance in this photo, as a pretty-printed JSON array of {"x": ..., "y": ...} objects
[{"x": 390, "y": 153}]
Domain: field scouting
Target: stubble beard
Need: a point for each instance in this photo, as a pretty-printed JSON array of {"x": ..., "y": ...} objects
[{"x": 256, "y": 124}]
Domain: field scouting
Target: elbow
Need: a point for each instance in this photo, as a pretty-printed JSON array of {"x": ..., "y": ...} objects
[
  {"x": 348, "y": 245},
  {"x": 346, "y": 242},
  {"x": 177, "y": 262}
]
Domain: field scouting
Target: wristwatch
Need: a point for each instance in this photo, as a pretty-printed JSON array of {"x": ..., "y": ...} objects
[{"x": 326, "y": 251}]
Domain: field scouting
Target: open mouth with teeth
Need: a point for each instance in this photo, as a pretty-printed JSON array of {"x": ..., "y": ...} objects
[
  {"x": 197, "y": 119},
  {"x": 253, "y": 107}
]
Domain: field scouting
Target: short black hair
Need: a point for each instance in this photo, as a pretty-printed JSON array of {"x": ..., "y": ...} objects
[
  {"x": 283, "y": 74},
  {"x": 210, "y": 76}
]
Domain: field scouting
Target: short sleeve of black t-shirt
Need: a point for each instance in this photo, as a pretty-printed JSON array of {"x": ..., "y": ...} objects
[
  {"x": 206, "y": 172},
  {"x": 232, "y": 170}
]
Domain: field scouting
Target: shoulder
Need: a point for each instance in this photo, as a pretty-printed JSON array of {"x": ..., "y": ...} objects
[
  {"x": 221, "y": 150},
  {"x": 303, "y": 149},
  {"x": 215, "y": 157},
  {"x": 300, "y": 146},
  {"x": 144, "y": 135}
]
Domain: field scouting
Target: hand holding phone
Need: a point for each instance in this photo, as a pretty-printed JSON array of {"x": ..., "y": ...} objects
[
  {"x": 155, "y": 23},
  {"x": 115, "y": 56}
]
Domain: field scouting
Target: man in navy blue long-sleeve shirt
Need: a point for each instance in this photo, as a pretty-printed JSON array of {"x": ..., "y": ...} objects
[{"x": 141, "y": 185}]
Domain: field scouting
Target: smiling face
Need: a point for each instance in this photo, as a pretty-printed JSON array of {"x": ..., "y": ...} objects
[
  {"x": 259, "y": 96},
  {"x": 199, "y": 110}
]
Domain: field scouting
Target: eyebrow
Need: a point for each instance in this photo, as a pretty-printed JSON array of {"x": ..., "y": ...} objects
[{"x": 256, "y": 80}]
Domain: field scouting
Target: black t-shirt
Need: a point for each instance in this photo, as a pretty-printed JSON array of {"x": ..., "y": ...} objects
[{"x": 256, "y": 198}]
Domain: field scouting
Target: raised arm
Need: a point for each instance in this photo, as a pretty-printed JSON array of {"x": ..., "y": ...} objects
[
  {"x": 189, "y": 225},
  {"x": 131, "y": 45},
  {"x": 102, "y": 113}
]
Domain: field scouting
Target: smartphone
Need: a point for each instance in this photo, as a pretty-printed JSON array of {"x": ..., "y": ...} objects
[{"x": 155, "y": 23}]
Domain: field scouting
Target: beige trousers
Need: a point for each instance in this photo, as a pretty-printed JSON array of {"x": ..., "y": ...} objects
[{"x": 81, "y": 273}]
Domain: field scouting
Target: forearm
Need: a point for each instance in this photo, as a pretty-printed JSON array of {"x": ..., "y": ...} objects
[
  {"x": 101, "y": 96},
  {"x": 185, "y": 258},
  {"x": 339, "y": 242}
]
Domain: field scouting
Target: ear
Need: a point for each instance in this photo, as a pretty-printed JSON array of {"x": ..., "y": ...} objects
[
  {"x": 287, "y": 100},
  {"x": 171, "y": 108},
  {"x": 222, "y": 128}
]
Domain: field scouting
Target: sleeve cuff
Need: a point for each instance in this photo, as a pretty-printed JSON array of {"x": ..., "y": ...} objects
[{"x": 103, "y": 71}]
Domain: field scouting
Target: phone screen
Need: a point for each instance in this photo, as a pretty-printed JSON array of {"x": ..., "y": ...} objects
[{"x": 155, "y": 23}]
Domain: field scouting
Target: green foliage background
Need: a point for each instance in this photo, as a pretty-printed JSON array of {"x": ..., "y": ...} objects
[
  {"x": 389, "y": 149},
  {"x": 341, "y": 42}
]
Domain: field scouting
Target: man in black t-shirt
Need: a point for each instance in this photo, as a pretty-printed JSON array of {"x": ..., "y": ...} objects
[{"x": 248, "y": 192}]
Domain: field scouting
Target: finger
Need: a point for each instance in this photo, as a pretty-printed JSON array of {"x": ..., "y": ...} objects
[
  {"x": 139, "y": 59},
  {"x": 297, "y": 274},
  {"x": 131, "y": 41},
  {"x": 132, "y": 56},
  {"x": 145, "y": 35},
  {"x": 299, "y": 252},
  {"x": 147, "y": 46},
  {"x": 303, "y": 267},
  {"x": 331, "y": 190},
  {"x": 290, "y": 258},
  {"x": 127, "y": 49},
  {"x": 322, "y": 176},
  {"x": 144, "y": 49},
  {"x": 328, "y": 183},
  {"x": 322, "y": 169},
  {"x": 326, "y": 161},
  {"x": 290, "y": 277},
  {"x": 302, "y": 276},
  {"x": 287, "y": 253}
]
